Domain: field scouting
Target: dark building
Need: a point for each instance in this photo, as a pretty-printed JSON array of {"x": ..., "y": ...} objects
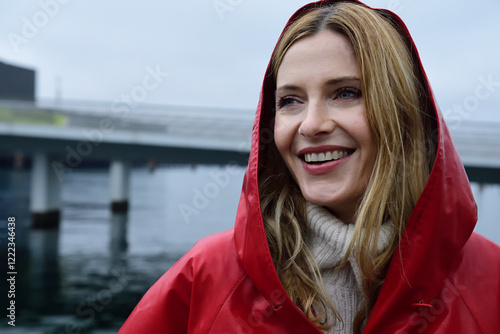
[{"x": 16, "y": 83}]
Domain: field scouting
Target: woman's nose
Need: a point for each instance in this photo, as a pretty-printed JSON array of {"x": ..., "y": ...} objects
[{"x": 317, "y": 121}]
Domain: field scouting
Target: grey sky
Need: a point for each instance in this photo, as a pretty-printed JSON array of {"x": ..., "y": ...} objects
[{"x": 102, "y": 49}]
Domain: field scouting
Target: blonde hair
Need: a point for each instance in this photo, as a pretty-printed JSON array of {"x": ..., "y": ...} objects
[{"x": 398, "y": 112}]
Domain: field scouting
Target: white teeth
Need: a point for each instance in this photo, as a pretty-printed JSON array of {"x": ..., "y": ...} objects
[{"x": 326, "y": 156}]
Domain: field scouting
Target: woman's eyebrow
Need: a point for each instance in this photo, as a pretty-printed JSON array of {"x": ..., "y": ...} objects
[
  {"x": 331, "y": 82},
  {"x": 336, "y": 81},
  {"x": 291, "y": 88}
]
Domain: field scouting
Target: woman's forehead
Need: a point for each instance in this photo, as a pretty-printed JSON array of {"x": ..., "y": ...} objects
[{"x": 326, "y": 57}]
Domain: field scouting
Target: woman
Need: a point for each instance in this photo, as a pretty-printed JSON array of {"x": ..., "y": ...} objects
[{"x": 356, "y": 217}]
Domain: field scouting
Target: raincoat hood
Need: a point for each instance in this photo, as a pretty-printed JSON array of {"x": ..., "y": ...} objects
[{"x": 440, "y": 224}]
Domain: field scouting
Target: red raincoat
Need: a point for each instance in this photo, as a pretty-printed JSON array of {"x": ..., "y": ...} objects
[{"x": 227, "y": 282}]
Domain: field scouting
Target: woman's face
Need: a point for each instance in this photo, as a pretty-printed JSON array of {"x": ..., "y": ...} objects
[{"x": 321, "y": 130}]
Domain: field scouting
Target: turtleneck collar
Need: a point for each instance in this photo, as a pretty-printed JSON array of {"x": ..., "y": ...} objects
[{"x": 329, "y": 238}]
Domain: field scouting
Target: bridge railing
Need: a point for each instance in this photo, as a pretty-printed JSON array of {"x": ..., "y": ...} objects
[{"x": 177, "y": 121}]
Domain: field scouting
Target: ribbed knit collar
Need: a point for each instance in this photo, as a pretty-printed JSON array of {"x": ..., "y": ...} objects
[{"x": 329, "y": 238}]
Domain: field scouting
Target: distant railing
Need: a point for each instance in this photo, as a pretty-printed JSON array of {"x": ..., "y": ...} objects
[{"x": 179, "y": 121}]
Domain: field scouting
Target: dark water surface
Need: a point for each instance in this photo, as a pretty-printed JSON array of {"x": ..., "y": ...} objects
[{"x": 87, "y": 276}]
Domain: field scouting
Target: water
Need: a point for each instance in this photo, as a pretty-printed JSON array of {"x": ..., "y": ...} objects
[
  {"x": 91, "y": 273},
  {"x": 87, "y": 277}
]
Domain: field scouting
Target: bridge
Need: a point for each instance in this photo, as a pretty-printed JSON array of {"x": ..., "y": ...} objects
[{"x": 63, "y": 136}]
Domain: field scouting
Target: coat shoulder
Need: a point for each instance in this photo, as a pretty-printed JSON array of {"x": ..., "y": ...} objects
[
  {"x": 213, "y": 260},
  {"x": 212, "y": 245},
  {"x": 479, "y": 243},
  {"x": 476, "y": 278},
  {"x": 479, "y": 258},
  {"x": 189, "y": 296}
]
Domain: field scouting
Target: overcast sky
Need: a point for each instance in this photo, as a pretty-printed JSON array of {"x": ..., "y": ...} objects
[{"x": 216, "y": 52}]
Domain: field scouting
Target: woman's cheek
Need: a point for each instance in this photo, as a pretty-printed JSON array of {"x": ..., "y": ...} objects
[{"x": 280, "y": 137}]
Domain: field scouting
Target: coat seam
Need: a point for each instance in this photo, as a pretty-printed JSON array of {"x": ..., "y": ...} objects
[
  {"x": 235, "y": 285},
  {"x": 466, "y": 305}
]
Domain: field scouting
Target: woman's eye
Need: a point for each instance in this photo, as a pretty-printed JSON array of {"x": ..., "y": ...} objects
[
  {"x": 285, "y": 101},
  {"x": 348, "y": 93}
]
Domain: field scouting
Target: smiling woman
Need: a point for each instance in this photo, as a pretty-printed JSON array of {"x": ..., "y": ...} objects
[
  {"x": 327, "y": 103},
  {"x": 356, "y": 214}
]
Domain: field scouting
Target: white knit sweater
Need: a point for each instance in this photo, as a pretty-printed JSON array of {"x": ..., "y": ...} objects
[{"x": 328, "y": 239}]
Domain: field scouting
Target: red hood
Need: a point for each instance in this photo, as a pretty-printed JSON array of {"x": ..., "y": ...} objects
[{"x": 440, "y": 225}]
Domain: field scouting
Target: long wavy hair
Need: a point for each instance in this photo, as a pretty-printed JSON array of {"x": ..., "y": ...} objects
[{"x": 401, "y": 119}]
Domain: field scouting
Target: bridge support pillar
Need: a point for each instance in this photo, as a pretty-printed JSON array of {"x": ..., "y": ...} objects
[
  {"x": 45, "y": 205},
  {"x": 118, "y": 235},
  {"x": 119, "y": 183}
]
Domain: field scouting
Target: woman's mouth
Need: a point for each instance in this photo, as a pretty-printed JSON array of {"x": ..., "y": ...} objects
[{"x": 324, "y": 157}]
